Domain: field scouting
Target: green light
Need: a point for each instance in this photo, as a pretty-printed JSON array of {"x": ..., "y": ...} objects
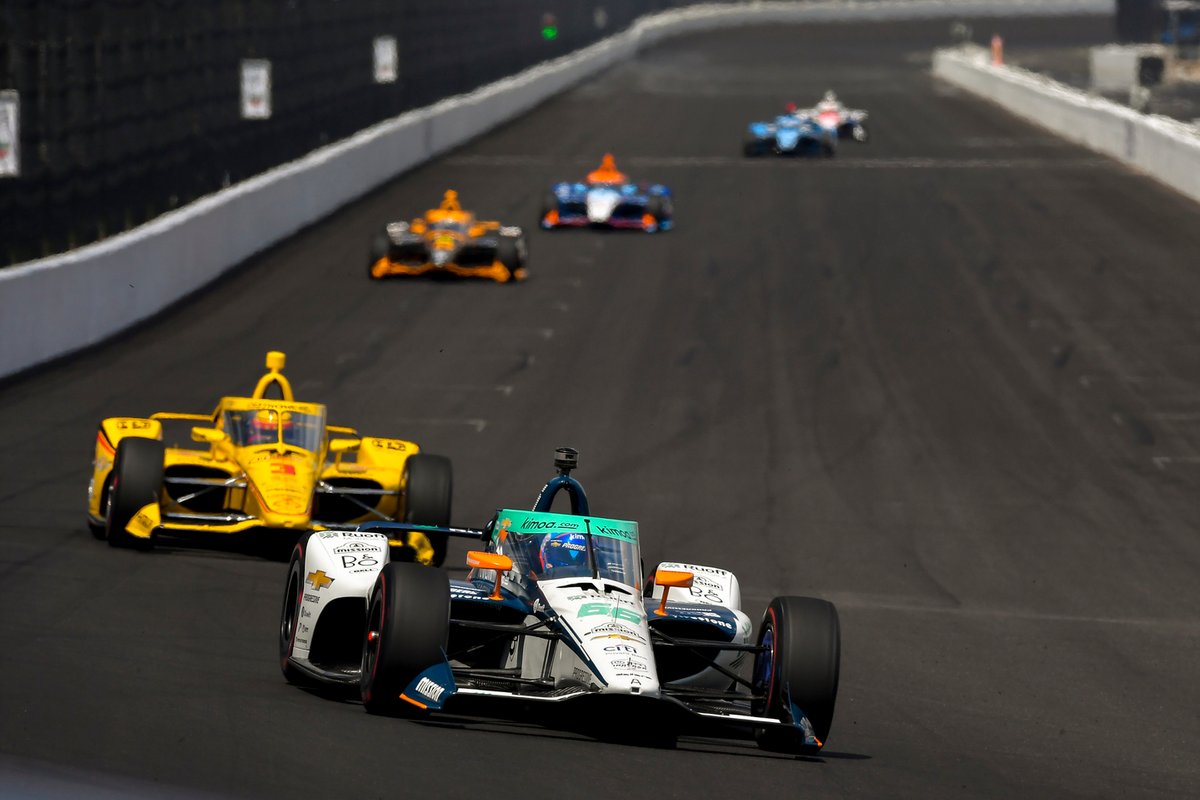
[{"x": 549, "y": 32}]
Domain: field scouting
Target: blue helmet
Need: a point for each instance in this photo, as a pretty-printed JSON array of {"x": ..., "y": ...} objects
[{"x": 564, "y": 550}]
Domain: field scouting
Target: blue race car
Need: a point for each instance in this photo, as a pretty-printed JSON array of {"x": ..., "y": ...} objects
[
  {"x": 608, "y": 199},
  {"x": 790, "y": 135}
]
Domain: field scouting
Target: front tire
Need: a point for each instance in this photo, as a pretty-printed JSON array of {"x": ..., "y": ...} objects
[
  {"x": 289, "y": 617},
  {"x": 753, "y": 149},
  {"x": 510, "y": 253},
  {"x": 137, "y": 480},
  {"x": 380, "y": 244},
  {"x": 801, "y": 665},
  {"x": 658, "y": 208},
  {"x": 549, "y": 203},
  {"x": 408, "y": 626},
  {"x": 429, "y": 487}
]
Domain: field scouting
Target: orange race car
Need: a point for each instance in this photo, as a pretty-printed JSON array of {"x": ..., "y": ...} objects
[{"x": 449, "y": 241}]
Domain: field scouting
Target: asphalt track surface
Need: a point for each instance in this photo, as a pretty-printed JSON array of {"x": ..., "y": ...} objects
[{"x": 949, "y": 380}]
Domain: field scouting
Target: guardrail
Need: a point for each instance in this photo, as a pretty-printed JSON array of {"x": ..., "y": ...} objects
[
  {"x": 58, "y": 305},
  {"x": 1164, "y": 148}
]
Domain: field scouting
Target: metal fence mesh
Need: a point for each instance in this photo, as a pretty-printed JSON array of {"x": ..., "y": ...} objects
[{"x": 132, "y": 107}]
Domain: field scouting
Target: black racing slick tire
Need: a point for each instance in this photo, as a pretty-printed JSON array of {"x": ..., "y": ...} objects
[
  {"x": 380, "y": 245},
  {"x": 137, "y": 480},
  {"x": 408, "y": 626},
  {"x": 508, "y": 253},
  {"x": 289, "y": 616},
  {"x": 657, "y": 208},
  {"x": 549, "y": 203},
  {"x": 801, "y": 660},
  {"x": 429, "y": 487}
]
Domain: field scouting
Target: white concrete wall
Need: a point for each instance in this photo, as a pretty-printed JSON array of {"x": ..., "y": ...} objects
[
  {"x": 57, "y": 305},
  {"x": 1164, "y": 148}
]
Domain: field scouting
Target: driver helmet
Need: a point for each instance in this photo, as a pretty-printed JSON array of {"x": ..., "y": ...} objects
[
  {"x": 265, "y": 426},
  {"x": 791, "y": 108},
  {"x": 830, "y": 97},
  {"x": 563, "y": 550}
]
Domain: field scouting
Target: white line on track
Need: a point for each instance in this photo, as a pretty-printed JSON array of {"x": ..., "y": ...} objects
[
  {"x": 505, "y": 389},
  {"x": 911, "y": 162},
  {"x": 1162, "y": 462},
  {"x": 850, "y": 601},
  {"x": 477, "y": 424}
]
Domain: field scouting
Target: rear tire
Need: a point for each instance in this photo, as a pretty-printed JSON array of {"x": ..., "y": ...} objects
[
  {"x": 429, "y": 488},
  {"x": 380, "y": 245},
  {"x": 802, "y": 663},
  {"x": 137, "y": 480},
  {"x": 408, "y": 626}
]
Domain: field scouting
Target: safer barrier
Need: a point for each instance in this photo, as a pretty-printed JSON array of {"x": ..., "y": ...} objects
[
  {"x": 1164, "y": 148},
  {"x": 58, "y": 305}
]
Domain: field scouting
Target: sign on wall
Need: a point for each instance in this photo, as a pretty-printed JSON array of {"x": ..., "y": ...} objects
[
  {"x": 10, "y": 134},
  {"x": 256, "y": 88},
  {"x": 387, "y": 59}
]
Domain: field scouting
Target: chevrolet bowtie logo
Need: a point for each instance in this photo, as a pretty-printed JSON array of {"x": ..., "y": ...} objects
[{"x": 319, "y": 580}]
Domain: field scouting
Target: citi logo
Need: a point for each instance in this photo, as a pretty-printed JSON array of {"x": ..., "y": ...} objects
[{"x": 430, "y": 689}]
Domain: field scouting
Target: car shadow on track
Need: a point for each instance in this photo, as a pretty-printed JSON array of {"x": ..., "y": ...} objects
[{"x": 562, "y": 724}]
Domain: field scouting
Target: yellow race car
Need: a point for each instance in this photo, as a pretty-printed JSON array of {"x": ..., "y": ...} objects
[
  {"x": 449, "y": 241},
  {"x": 262, "y": 463}
]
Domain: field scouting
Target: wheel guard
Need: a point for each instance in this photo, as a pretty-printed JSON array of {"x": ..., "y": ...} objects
[
  {"x": 144, "y": 522},
  {"x": 432, "y": 688},
  {"x": 800, "y": 721}
]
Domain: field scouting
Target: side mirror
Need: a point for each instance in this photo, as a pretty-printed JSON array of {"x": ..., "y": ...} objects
[
  {"x": 339, "y": 446},
  {"x": 478, "y": 559},
  {"x": 209, "y": 435},
  {"x": 667, "y": 579}
]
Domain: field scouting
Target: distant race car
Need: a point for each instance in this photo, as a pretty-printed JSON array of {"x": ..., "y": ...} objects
[
  {"x": 608, "y": 199},
  {"x": 556, "y": 610},
  {"x": 450, "y": 241},
  {"x": 792, "y": 135},
  {"x": 830, "y": 114},
  {"x": 266, "y": 464}
]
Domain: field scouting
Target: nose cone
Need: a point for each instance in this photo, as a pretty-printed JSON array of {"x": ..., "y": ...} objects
[
  {"x": 614, "y": 633},
  {"x": 601, "y": 204},
  {"x": 282, "y": 485},
  {"x": 440, "y": 257},
  {"x": 787, "y": 138}
]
